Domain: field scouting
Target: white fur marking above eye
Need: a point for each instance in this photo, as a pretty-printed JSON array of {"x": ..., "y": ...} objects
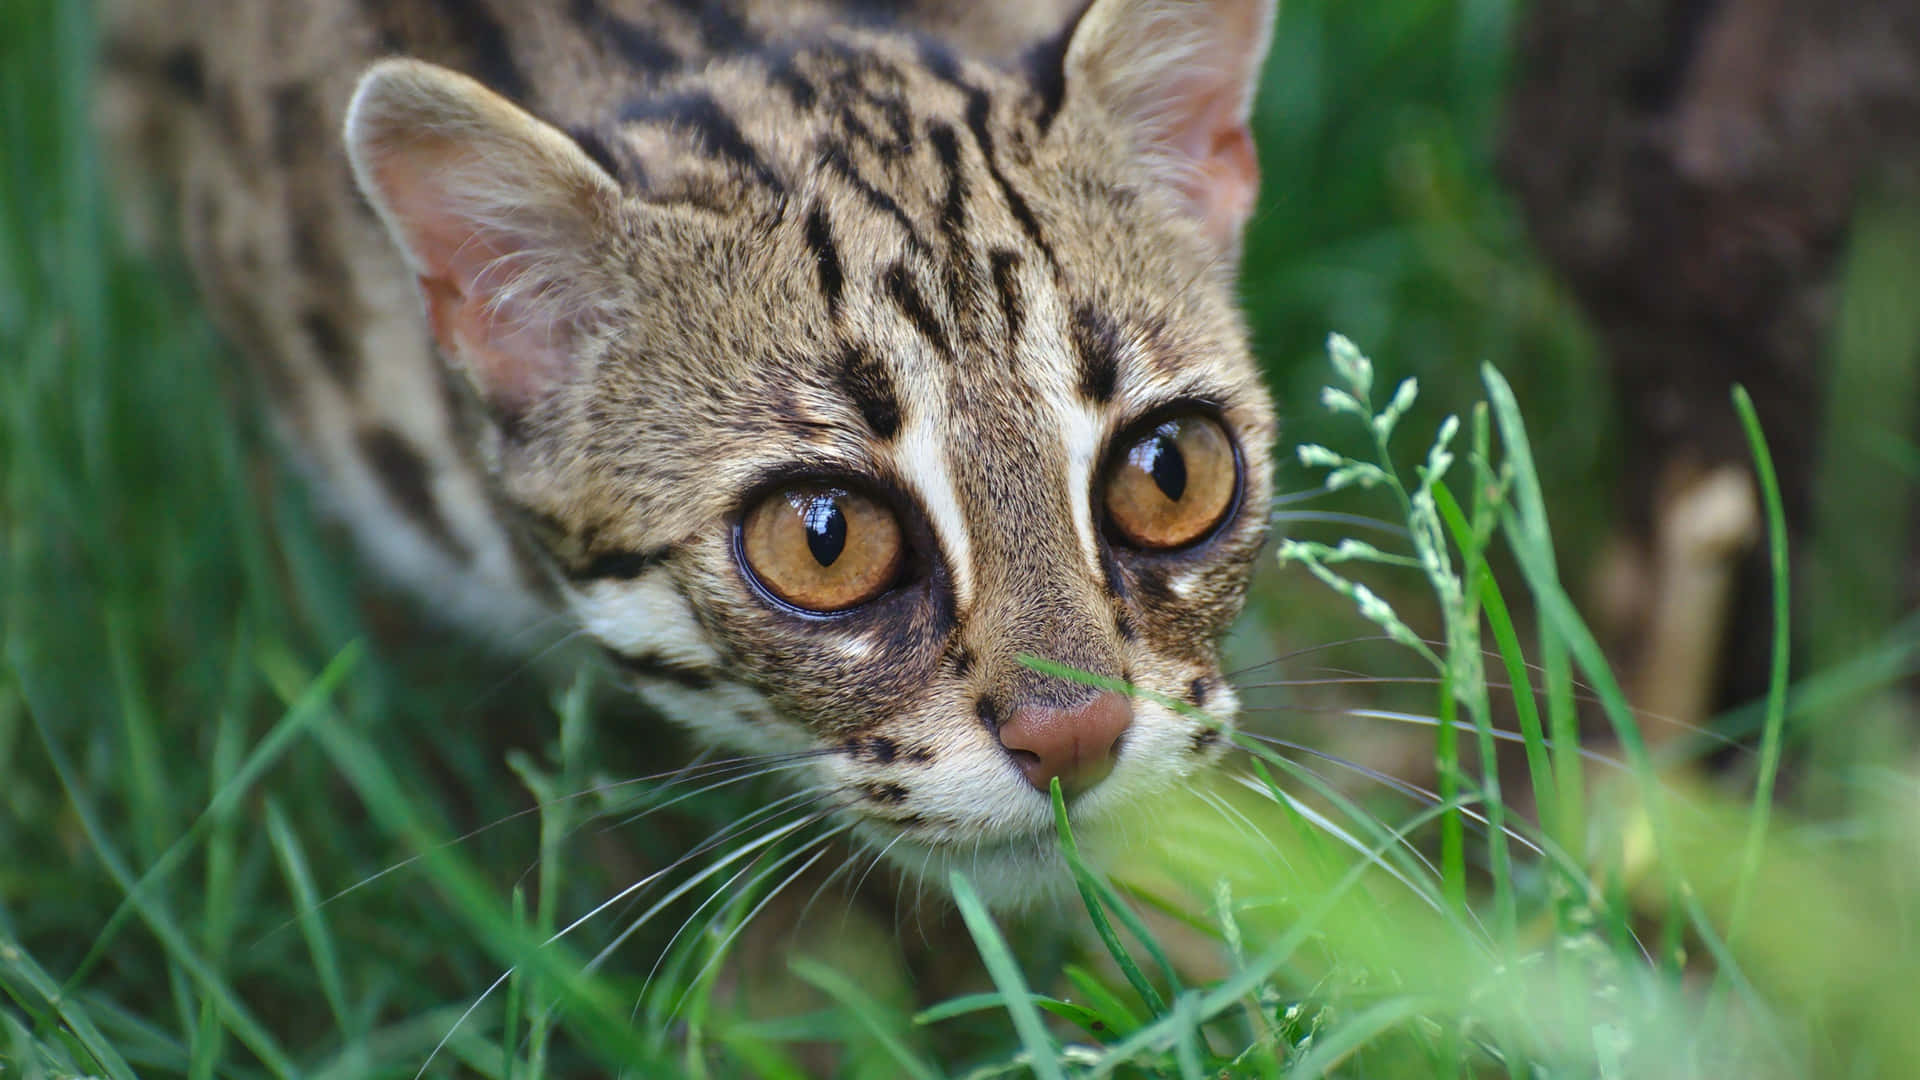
[
  {"x": 923, "y": 459},
  {"x": 1080, "y": 431}
]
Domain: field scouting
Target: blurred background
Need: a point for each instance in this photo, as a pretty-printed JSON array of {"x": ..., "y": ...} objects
[{"x": 1624, "y": 207}]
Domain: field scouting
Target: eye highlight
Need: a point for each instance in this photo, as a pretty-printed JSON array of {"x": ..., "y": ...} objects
[
  {"x": 822, "y": 548},
  {"x": 1170, "y": 484}
]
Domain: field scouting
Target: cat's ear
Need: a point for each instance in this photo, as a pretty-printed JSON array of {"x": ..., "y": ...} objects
[
  {"x": 1181, "y": 75},
  {"x": 499, "y": 214}
]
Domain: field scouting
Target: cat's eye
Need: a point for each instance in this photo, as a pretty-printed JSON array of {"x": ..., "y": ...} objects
[
  {"x": 1169, "y": 484},
  {"x": 822, "y": 548}
]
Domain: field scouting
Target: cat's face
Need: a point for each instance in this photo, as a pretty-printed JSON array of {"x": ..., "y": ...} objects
[{"x": 836, "y": 384}]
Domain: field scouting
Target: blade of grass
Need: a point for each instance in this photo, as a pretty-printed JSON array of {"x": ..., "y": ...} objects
[
  {"x": 1343, "y": 1041},
  {"x": 1007, "y": 979},
  {"x": 312, "y": 919},
  {"x": 1091, "y": 896},
  {"x": 866, "y": 1011},
  {"x": 20, "y": 975},
  {"x": 179, "y": 950},
  {"x": 1776, "y": 700}
]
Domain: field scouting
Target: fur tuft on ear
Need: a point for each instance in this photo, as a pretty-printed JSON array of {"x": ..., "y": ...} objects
[
  {"x": 498, "y": 213},
  {"x": 1181, "y": 75}
]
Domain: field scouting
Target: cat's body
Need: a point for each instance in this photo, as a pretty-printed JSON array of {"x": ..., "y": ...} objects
[{"x": 939, "y": 301}]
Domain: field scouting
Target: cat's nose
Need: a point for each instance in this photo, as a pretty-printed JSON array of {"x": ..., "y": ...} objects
[{"x": 1077, "y": 745}]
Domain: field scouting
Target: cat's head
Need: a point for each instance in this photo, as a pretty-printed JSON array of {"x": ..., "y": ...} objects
[{"x": 838, "y": 379}]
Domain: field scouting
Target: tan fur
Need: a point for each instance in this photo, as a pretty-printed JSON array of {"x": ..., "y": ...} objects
[{"x": 664, "y": 260}]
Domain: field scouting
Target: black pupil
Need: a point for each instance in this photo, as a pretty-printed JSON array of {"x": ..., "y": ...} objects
[
  {"x": 826, "y": 528},
  {"x": 1159, "y": 456}
]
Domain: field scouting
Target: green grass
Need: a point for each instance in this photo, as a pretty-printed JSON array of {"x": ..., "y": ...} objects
[{"x": 249, "y": 831}]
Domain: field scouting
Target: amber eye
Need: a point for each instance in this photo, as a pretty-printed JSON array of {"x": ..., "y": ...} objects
[
  {"x": 824, "y": 549},
  {"x": 1170, "y": 484}
]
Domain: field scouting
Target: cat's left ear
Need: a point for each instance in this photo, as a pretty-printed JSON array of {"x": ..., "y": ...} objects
[
  {"x": 1180, "y": 75},
  {"x": 501, "y": 216}
]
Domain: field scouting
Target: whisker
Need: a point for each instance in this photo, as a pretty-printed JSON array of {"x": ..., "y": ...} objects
[
  {"x": 1243, "y": 824},
  {"x": 527, "y": 662},
  {"x": 1332, "y": 517},
  {"x": 726, "y": 942},
  {"x": 538, "y": 807},
  {"x": 625, "y": 892},
  {"x": 1468, "y": 726},
  {"x": 1306, "y": 651},
  {"x": 803, "y": 821},
  {"x": 1302, "y": 495},
  {"x": 874, "y": 864},
  {"x": 1404, "y": 787},
  {"x": 1326, "y": 825}
]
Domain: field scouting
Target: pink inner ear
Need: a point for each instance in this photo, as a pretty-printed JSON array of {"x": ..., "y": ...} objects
[
  {"x": 1211, "y": 135},
  {"x": 500, "y": 330}
]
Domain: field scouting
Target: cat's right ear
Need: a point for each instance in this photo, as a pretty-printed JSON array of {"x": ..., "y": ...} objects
[{"x": 499, "y": 214}]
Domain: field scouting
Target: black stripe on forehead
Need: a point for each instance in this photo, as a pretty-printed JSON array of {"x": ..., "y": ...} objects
[
  {"x": 635, "y": 44},
  {"x": 700, "y": 114},
  {"x": 1096, "y": 345},
  {"x": 1006, "y": 282},
  {"x": 899, "y": 285},
  {"x": 834, "y": 159},
  {"x": 826, "y": 258},
  {"x": 869, "y": 385}
]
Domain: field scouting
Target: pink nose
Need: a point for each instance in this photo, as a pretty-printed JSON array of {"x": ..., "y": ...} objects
[{"x": 1077, "y": 745}]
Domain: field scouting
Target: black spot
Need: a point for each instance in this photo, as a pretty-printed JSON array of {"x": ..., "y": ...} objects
[
  {"x": 868, "y": 383},
  {"x": 655, "y": 666},
  {"x": 939, "y": 61},
  {"x": 1006, "y": 267},
  {"x": 617, "y": 565},
  {"x": 988, "y": 712},
  {"x": 314, "y": 252},
  {"x": 407, "y": 477},
  {"x": 826, "y": 258},
  {"x": 784, "y": 70},
  {"x": 834, "y": 159},
  {"x": 592, "y": 145},
  {"x": 1124, "y": 627},
  {"x": 296, "y": 122},
  {"x": 1197, "y": 692},
  {"x": 485, "y": 41},
  {"x": 337, "y": 352},
  {"x": 183, "y": 70},
  {"x": 721, "y": 31},
  {"x": 1202, "y": 739},
  {"x": 1046, "y": 65},
  {"x": 919, "y": 756},
  {"x": 962, "y": 662},
  {"x": 1154, "y": 587},
  {"x": 907, "y": 296},
  {"x": 882, "y": 750},
  {"x": 635, "y": 44},
  {"x": 700, "y": 114},
  {"x": 890, "y": 794},
  {"x": 1096, "y": 342}
]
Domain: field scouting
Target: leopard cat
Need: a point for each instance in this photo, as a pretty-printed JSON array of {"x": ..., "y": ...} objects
[{"x": 822, "y": 364}]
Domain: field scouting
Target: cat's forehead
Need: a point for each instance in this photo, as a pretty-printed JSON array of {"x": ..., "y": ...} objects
[{"x": 883, "y": 261}]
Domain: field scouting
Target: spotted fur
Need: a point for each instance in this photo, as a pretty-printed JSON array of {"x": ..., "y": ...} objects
[{"x": 953, "y": 253}]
